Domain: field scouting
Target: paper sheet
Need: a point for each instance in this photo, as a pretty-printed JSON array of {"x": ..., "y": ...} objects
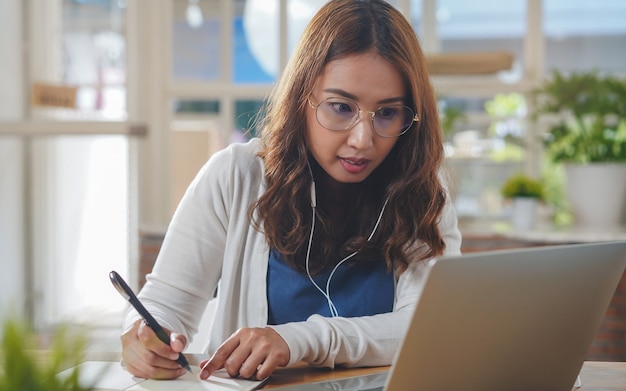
[{"x": 111, "y": 376}]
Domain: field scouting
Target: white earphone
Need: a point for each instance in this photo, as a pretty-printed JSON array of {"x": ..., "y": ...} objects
[{"x": 326, "y": 292}]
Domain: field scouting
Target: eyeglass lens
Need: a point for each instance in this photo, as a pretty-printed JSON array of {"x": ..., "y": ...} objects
[{"x": 342, "y": 114}]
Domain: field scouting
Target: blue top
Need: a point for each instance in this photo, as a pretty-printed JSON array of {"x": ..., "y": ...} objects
[{"x": 356, "y": 291}]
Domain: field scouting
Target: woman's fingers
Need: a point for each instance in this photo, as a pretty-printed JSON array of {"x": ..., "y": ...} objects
[
  {"x": 151, "y": 342},
  {"x": 148, "y": 357},
  {"x": 249, "y": 353},
  {"x": 177, "y": 342}
]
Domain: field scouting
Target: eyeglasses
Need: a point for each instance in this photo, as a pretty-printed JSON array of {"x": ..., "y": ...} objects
[{"x": 339, "y": 114}]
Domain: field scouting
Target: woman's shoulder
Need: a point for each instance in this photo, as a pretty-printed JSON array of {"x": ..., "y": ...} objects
[{"x": 251, "y": 146}]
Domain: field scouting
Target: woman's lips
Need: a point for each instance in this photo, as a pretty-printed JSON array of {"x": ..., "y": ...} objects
[{"x": 354, "y": 165}]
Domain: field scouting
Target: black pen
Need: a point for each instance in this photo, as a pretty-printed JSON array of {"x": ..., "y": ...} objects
[{"x": 127, "y": 293}]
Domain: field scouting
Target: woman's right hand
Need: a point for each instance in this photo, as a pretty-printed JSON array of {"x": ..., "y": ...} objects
[{"x": 146, "y": 356}]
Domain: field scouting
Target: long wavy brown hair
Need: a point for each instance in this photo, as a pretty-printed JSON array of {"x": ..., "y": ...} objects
[{"x": 409, "y": 176}]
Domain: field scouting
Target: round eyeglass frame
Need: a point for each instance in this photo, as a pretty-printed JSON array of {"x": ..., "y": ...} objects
[{"x": 372, "y": 115}]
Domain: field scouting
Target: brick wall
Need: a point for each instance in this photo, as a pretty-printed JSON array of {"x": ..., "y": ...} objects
[{"x": 609, "y": 343}]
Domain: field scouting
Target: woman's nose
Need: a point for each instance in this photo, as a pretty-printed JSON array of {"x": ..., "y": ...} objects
[{"x": 362, "y": 135}]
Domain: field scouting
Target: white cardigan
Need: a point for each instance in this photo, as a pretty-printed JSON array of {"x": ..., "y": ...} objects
[{"x": 210, "y": 241}]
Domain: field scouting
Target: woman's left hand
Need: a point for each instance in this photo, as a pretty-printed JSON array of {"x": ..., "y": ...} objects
[{"x": 250, "y": 353}]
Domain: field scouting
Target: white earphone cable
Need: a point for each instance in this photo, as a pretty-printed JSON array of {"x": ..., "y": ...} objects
[{"x": 326, "y": 293}]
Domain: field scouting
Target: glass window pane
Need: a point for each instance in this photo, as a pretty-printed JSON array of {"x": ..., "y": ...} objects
[
  {"x": 94, "y": 53},
  {"x": 257, "y": 36},
  {"x": 416, "y": 15},
  {"x": 255, "y": 41},
  {"x": 204, "y": 116},
  {"x": 109, "y": 101},
  {"x": 300, "y": 13},
  {"x": 196, "y": 106},
  {"x": 196, "y": 46},
  {"x": 582, "y": 35},
  {"x": 483, "y": 26},
  {"x": 481, "y": 19},
  {"x": 246, "y": 113}
]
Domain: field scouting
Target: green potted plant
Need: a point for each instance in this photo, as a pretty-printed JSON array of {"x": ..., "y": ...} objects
[
  {"x": 26, "y": 365},
  {"x": 586, "y": 112},
  {"x": 525, "y": 193},
  {"x": 523, "y": 186}
]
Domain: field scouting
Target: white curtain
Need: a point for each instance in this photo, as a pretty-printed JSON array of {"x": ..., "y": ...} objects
[{"x": 80, "y": 204}]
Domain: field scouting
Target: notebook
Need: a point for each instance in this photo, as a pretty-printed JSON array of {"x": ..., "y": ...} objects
[
  {"x": 503, "y": 320},
  {"x": 111, "y": 376}
]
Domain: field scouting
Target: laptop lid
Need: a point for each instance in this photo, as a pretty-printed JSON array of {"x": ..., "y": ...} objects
[{"x": 508, "y": 320}]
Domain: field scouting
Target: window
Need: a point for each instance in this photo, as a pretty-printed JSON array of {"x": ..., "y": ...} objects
[
  {"x": 94, "y": 57},
  {"x": 585, "y": 36},
  {"x": 67, "y": 177},
  {"x": 196, "y": 32}
]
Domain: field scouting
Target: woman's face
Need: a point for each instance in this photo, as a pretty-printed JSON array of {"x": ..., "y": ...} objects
[{"x": 350, "y": 156}]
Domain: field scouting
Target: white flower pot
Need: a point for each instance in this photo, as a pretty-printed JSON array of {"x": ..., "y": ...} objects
[
  {"x": 524, "y": 213},
  {"x": 596, "y": 193}
]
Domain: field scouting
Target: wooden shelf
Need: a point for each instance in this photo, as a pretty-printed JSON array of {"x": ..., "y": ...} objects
[{"x": 471, "y": 63}]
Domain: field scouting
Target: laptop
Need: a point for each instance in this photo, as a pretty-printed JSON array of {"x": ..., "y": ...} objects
[{"x": 503, "y": 320}]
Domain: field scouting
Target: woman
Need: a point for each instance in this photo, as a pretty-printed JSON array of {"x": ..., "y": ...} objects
[{"x": 317, "y": 231}]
